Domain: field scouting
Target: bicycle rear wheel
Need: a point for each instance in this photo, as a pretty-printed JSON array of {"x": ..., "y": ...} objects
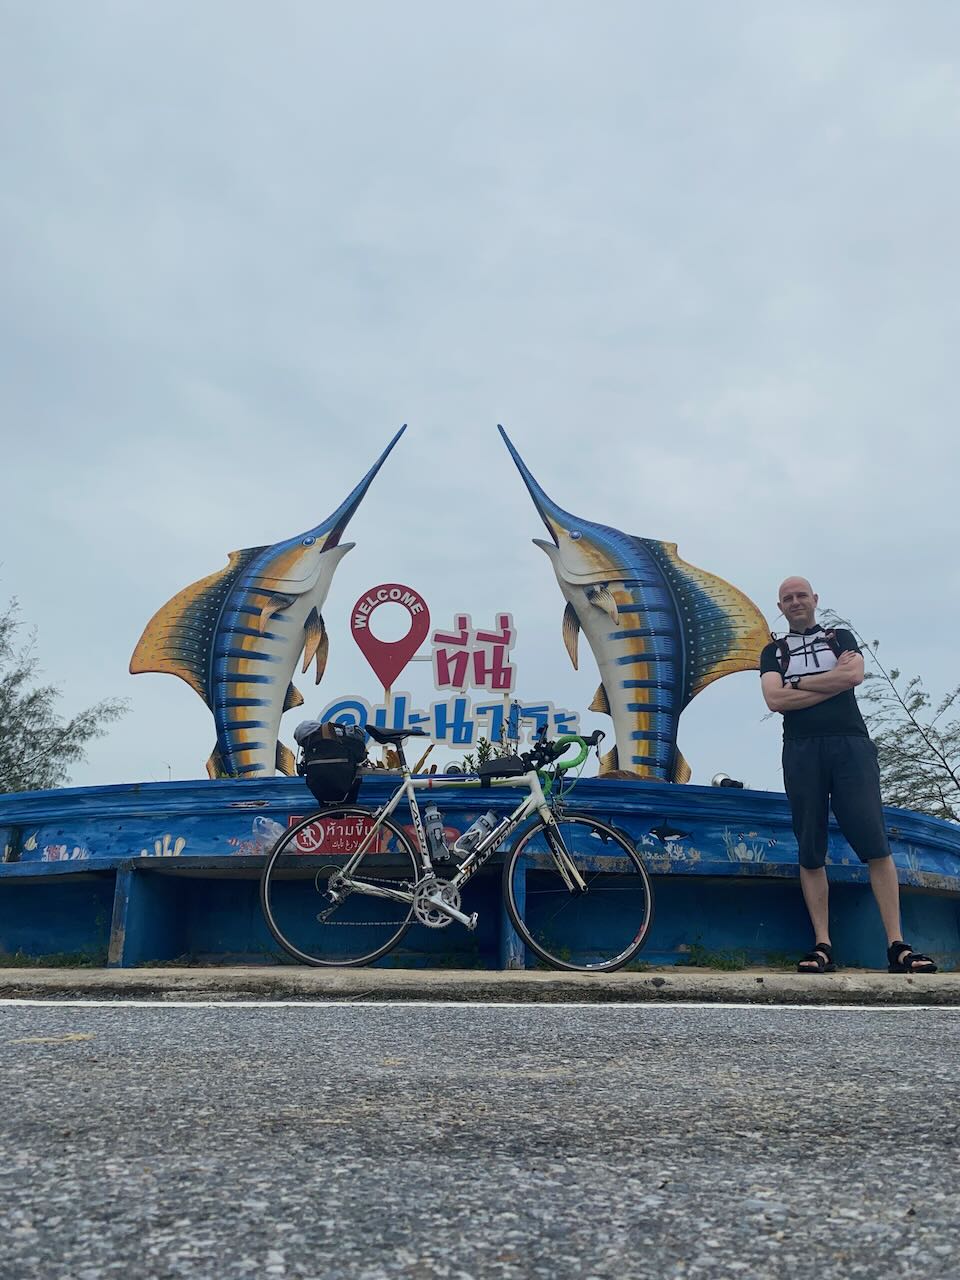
[
  {"x": 598, "y": 928},
  {"x": 317, "y": 917}
]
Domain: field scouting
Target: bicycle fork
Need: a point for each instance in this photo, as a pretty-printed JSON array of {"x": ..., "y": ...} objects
[{"x": 569, "y": 871}]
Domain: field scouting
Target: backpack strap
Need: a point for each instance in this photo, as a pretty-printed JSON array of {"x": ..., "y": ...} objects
[
  {"x": 832, "y": 640},
  {"x": 783, "y": 652}
]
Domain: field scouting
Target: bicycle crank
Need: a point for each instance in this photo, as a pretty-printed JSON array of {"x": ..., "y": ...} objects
[{"x": 436, "y": 903}]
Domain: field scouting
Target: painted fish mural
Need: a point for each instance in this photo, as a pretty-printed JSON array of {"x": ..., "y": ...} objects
[
  {"x": 660, "y": 629},
  {"x": 235, "y": 637}
]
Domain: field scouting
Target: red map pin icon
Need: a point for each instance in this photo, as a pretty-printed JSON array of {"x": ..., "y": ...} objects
[{"x": 389, "y": 657}]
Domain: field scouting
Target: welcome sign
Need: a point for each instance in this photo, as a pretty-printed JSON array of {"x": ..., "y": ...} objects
[{"x": 462, "y": 657}]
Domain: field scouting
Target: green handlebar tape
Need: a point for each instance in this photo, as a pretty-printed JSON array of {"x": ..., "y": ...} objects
[{"x": 562, "y": 765}]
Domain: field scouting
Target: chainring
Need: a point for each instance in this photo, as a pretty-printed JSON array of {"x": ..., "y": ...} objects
[{"x": 426, "y": 911}]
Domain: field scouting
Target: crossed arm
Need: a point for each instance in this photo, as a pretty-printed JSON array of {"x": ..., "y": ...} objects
[{"x": 847, "y": 674}]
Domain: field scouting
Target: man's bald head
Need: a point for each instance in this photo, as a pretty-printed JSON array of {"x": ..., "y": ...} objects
[{"x": 797, "y": 602}]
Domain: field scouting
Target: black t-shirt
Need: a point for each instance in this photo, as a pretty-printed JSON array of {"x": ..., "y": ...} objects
[{"x": 811, "y": 654}]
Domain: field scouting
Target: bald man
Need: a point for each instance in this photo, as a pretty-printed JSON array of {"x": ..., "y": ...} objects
[{"x": 809, "y": 677}]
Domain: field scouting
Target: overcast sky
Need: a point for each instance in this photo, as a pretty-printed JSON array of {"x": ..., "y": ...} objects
[{"x": 699, "y": 258}]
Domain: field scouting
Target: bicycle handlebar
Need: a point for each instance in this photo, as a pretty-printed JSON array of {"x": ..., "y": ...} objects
[
  {"x": 560, "y": 747},
  {"x": 545, "y": 752}
]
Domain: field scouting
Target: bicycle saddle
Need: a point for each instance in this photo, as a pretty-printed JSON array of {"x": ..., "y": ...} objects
[{"x": 386, "y": 736}]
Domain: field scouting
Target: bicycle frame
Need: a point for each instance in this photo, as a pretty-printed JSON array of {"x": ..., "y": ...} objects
[{"x": 535, "y": 802}]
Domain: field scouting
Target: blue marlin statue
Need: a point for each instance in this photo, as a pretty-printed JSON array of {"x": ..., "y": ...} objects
[
  {"x": 235, "y": 637},
  {"x": 660, "y": 629}
]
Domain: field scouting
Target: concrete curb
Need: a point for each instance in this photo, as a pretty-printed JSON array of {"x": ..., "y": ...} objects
[{"x": 748, "y": 986}]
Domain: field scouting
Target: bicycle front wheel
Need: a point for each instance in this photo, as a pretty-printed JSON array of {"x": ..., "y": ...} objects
[
  {"x": 321, "y": 917},
  {"x": 591, "y": 919}
]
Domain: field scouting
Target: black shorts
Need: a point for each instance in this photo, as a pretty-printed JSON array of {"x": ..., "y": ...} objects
[{"x": 839, "y": 772}]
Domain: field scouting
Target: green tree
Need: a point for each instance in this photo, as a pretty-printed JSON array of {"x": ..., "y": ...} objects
[
  {"x": 918, "y": 743},
  {"x": 37, "y": 746}
]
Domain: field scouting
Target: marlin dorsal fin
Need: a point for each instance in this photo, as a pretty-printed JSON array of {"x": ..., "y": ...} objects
[
  {"x": 681, "y": 770},
  {"x": 286, "y": 760},
  {"x": 724, "y": 631},
  {"x": 610, "y": 762},
  {"x": 571, "y": 633},
  {"x": 178, "y": 638}
]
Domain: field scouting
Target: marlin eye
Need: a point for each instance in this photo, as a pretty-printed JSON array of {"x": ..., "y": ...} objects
[
  {"x": 308, "y": 542},
  {"x": 575, "y": 534}
]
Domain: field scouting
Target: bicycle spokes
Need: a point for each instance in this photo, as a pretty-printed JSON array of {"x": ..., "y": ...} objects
[
  {"x": 324, "y": 912},
  {"x": 579, "y": 894}
]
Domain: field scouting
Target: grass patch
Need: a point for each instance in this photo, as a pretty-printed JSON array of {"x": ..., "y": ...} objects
[
  {"x": 700, "y": 957},
  {"x": 178, "y": 962},
  {"x": 54, "y": 960}
]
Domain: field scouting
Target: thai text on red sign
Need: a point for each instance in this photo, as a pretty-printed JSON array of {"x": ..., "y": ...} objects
[{"x": 338, "y": 835}]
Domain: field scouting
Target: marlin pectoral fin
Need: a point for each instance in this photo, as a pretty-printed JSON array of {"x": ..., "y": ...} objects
[
  {"x": 571, "y": 633},
  {"x": 277, "y": 601},
  {"x": 609, "y": 762},
  {"x": 600, "y": 701},
  {"x": 316, "y": 643},
  {"x": 603, "y": 599},
  {"x": 286, "y": 760},
  {"x": 322, "y": 650},
  {"x": 681, "y": 770},
  {"x": 215, "y": 766},
  {"x": 294, "y": 698}
]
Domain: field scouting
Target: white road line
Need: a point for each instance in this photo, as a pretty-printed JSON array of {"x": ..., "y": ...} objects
[{"x": 360, "y": 1003}]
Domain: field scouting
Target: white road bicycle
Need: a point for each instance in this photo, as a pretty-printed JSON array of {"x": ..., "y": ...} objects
[{"x": 343, "y": 885}]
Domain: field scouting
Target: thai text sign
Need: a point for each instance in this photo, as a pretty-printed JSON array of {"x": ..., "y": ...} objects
[
  {"x": 478, "y": 658},
  {"x": 462, "y": 657},
  {"x": 337, "y": 835},
  {"x": 459, "y": 721}
]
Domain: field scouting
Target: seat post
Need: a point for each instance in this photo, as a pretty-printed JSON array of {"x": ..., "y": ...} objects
[{"x": 402, "y": 758}]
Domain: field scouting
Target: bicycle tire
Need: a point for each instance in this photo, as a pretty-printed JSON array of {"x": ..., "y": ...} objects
[
  {"x": 331, "y": 942},
  {"x": 575, "y": 930}
]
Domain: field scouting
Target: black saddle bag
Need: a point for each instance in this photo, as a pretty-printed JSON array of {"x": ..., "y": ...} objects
[{"x": 331, "y": 762}]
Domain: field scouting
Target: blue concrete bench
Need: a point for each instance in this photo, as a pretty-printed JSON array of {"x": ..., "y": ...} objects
[{"x": 158, "y": 871}]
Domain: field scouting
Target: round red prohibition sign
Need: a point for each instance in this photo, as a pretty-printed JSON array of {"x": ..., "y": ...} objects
[{"x": 389, "y": 657}]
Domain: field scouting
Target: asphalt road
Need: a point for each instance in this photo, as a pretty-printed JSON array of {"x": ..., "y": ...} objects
[{"x": 470, "y": 1141}]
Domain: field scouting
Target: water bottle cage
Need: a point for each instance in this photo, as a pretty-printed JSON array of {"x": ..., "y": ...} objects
[{"x": 478, "y": 831}]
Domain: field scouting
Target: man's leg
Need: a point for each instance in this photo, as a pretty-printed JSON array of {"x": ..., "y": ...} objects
[
  {"x": 857, "y": 805},
  {"x": 886, "y": 890},
  {"x": 813, "y": 882},
  {"x": 807, "y": 790}
]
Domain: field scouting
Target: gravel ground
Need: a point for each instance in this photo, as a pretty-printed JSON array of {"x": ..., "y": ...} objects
[{"x": 470, "y": 1141}]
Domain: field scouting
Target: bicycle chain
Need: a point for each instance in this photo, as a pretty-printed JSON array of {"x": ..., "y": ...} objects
[{"x": 369, "y": 924}]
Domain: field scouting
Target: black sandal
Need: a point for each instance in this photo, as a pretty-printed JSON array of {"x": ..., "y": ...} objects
[
  {"x": 902, "y": 958},
  {"x": 819, "y": 960}
]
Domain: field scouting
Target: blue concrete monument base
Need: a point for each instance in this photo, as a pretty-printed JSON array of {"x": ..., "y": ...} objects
[{"x": 161, "y": 872}]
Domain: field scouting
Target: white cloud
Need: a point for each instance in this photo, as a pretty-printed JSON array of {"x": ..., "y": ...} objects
[{"x": 698, "y": 259}]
